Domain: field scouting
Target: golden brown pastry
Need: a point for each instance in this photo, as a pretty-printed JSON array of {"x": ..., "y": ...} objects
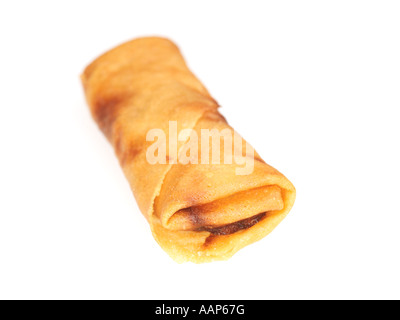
[{"x": 197, "y": 211}]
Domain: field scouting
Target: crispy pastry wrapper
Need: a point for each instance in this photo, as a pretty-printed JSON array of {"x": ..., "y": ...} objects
[{"x": 197, "y": 212}]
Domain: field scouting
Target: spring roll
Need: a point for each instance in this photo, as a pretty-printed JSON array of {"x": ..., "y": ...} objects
[{"x": 203, "y": 203}]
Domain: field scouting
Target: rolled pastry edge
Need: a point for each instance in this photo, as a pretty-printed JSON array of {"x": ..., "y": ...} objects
[{"x": 204, "y": 246}]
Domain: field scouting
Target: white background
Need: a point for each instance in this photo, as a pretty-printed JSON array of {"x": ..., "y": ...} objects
[{"x": 314, "y": 86}]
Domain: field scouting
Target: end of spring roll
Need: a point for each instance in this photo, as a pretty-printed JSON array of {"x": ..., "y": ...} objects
[{"x": 204, "y": 190}]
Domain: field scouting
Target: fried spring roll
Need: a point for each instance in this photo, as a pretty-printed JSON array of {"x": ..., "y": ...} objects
[{"x": 198, "y": 211}]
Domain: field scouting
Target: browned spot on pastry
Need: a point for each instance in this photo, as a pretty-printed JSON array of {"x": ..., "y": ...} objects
[
  {"x": 234, "y": 227},
  {"x": 125, "y": 153},
  {"x": 118, "y": 141},
  {"x": 196, "y": 214},
  {"x": 129, "y": 155},
  {"x": 195, "y": 217},
  {"x": 209, "y": 240},
  {"x": 105, "y": 112}
]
